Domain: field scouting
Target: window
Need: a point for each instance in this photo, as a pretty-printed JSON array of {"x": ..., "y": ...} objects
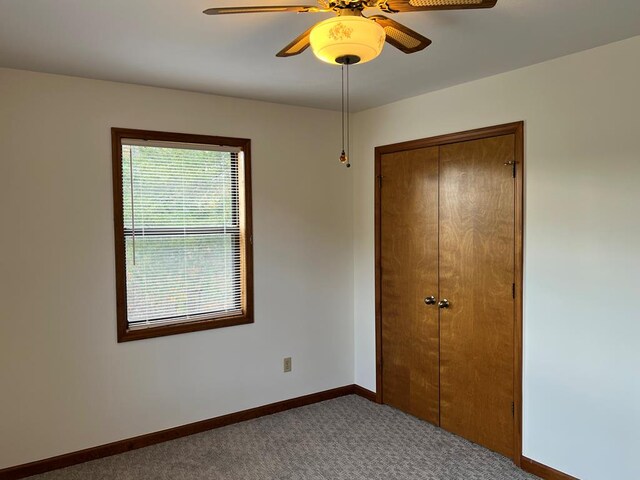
[{"x": 182, "y": 232}]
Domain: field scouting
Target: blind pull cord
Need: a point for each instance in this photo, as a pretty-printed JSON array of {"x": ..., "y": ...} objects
[{"x": 133, "y": 216}]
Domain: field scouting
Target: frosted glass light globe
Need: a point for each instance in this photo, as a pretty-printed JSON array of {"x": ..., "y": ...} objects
[{"x": 347, "y": 36}]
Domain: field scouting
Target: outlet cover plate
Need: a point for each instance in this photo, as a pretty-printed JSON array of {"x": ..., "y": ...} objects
[{"x": 287, "y": 364}]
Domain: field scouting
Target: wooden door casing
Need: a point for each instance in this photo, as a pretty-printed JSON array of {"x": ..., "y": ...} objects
[{"x": 409, "y": 260}]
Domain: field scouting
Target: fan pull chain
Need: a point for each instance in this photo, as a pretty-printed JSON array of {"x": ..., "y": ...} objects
[
  {"x": 348, "y": 120},
  {"x": 344, "y": 156}
]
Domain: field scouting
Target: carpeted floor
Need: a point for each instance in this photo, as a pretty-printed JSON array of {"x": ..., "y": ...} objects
[{"x": 348, "y": 438}]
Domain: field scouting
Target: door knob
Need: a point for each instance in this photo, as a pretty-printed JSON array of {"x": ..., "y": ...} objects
[
  {"x": 444, "y": 303},
  {"x": 430, "y": 300}
]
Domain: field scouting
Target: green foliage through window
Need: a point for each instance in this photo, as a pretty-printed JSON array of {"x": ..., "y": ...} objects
[{"x": 182, "y": 232}]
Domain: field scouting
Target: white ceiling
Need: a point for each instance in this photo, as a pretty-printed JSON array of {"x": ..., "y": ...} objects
[{"x": 170, "y": 43}]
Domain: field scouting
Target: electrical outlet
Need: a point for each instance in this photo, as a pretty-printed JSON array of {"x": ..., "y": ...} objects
[{"x": 287, "y": 364}]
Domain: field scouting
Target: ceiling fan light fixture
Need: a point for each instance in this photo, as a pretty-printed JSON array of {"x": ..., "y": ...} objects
[{"x": 347, "y": 37}]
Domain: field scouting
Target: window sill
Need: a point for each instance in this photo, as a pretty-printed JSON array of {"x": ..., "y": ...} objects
[{"x": 131, "y": 334}]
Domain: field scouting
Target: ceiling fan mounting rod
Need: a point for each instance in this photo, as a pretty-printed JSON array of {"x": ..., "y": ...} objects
[
  {"x": 340, "y": 6},
  {"x": 349, "y": 12},
  {"x": 345, "y": 5}
]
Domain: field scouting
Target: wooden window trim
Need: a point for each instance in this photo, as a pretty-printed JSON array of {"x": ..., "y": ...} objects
[{"x": 125, "y": 333}]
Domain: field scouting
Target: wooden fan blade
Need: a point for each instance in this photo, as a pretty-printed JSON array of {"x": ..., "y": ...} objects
[
  {"x": 401, "y": 37},
  {"x": 265, "y": 9},
  {"x": 394, "y": 6},
  {"x": 299, "y": 45}
]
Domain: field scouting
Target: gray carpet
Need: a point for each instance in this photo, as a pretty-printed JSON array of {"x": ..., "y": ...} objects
[{"x": 348, "y": 438}]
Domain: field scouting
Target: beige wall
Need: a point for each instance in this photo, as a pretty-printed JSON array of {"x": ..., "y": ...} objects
[
  {"x": 582, "y": 245},
  {"x": 65, "y": 382}
]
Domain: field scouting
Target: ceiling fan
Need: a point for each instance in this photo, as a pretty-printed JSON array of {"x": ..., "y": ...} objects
[{"x": 350, "y": 37}]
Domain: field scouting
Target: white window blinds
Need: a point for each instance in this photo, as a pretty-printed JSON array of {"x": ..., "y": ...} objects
[{"x": 182, "y": 231}]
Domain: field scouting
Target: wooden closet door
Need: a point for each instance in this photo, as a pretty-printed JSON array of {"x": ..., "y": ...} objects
[
  {"x": 409, "y": 274},
  {"x": 477, "y": 221}
]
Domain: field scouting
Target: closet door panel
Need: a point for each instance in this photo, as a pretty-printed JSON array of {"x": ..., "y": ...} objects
[
  {"x": 409, "y": 274},
  {"x": 476, "y": 248}
]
